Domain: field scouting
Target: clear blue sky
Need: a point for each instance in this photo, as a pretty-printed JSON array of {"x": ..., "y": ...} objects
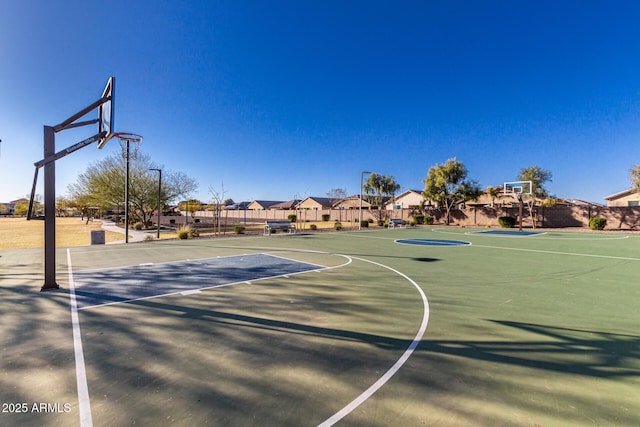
[{"x": 278, "y": 99}]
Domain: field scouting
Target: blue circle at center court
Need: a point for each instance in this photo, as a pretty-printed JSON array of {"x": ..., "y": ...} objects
[{"x": 432, "y": 242}]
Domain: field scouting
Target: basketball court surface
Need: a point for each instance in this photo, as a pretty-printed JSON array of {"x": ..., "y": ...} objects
[{"x": 411, "y": 327}]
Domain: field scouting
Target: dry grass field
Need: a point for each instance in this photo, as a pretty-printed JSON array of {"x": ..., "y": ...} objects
[{"x": 18, "y": 233}]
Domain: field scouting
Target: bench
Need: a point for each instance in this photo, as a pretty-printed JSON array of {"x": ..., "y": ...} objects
[
  {"x": 397, "y": 222},
  {"x": 273, "y": 226}
]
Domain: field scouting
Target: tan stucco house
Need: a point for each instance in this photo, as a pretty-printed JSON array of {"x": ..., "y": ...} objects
[
  {"x": 410, "y": 199},
  {"x": 260, "y": 205},
  {"x": 629, "y": 197},
  {"x": 315, "y": 203}
]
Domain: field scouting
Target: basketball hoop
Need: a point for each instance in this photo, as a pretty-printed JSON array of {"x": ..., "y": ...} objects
[
  {"x": 518, "y": 189},
  {"x": 125, "y": 138}
]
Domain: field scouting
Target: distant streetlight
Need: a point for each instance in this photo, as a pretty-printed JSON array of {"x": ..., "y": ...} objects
[
  {"x": 159, "y": 193},
  {"x": 361, "y": 183},
  {"x": 126, "y": 195}
]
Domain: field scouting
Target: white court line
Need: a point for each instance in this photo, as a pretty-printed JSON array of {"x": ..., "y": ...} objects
[
  {"x": 84, "y": 403},
  {"x": 546, "y": 235},
  {"x": 153, "y": 264},
  {"x": 558, "y": 253},
  {"x": 513, "y": 233},
  {"x": 396, "y": 367},
  {"x": 295, "y": 260},
  {"x": 506, "y": 248}
]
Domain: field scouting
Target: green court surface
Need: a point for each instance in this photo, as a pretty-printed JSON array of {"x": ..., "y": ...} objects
[{"x": 345, "y": 328}]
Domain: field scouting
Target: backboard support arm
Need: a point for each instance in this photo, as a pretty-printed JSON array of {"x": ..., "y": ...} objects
[{"x": 49, "y": 165}]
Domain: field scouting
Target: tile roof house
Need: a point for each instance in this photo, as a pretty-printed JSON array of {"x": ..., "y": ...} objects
[
  {"x": 352, "y": 202},
  {"x": 317, "y": 203},
  {"x": 289, "y": 205}
]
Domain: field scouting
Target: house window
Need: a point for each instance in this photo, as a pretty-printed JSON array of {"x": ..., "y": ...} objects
[{"x": 634, "y": 203}]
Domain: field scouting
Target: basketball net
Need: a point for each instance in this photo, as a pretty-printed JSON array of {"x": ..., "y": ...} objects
[{"x": 126, "y": 148}]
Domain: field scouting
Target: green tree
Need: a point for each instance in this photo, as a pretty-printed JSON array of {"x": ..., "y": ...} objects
[
  {"x": 82, "y": 203},
  {"x": 447, "y": 184},
  {"x": 538, "y": 177},
  {"x": 379, "y": 189},
  {"x": 634, "y": 177},
  {"x": 103, "y": 185},
  {"x": 22, "y": 207},
  {"x": 63, "y": 206},
  {"x": 493, "y": 193},
  {"x": 191, "y": 206}
]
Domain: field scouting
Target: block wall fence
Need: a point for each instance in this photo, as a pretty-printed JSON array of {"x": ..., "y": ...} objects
[{"x": 549, "y": 217}]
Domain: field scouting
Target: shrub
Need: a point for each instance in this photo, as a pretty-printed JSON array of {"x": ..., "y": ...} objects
[
  {"x": 313, "y": 227},
  {"x": 337, "y": 226},
  {"x": 381, "y": 223},
  {"x": 326, "y": 217},
  {"x": 419, "y": 219},
  {"x": 194, "y": 232},
  {"x": 196, "y": 220},
  {"x": 148, "y": 238},
  {"x": 292, "y": 217},
  {"x": 238, "y": 229},
  {"x": 172, "y": 221},
  {"x": 183, "y": 233},
  {"x": 138, "y": 226},
  {"x": 364, "y": 224},
  {"x": 597, "y": 223},
  {"x": 429, "y": 220},
  {"x": 507, "y": 221},
  {"x": 370, "y": 220}
]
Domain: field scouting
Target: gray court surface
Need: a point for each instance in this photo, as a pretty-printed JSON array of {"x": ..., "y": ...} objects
[{"x": 100, "y": 287}]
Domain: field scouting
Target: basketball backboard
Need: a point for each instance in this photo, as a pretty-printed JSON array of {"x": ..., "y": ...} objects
[
  {"x": 518, "y": 188},
  {"x": 105, "y": 114}
]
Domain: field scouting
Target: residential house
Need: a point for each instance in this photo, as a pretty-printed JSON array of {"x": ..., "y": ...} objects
[
  {"x": 286, "y": 206},
  {"x": 260, "y": 205},
  {"x": 6, "y": 208},
  {"x": 316, "y": 203},
  {"x": 238, "y": 206},
  {"x": 410, "y": 199},
  {"x": 629, "y": 197},
  {"x": 352, "y": 202}
]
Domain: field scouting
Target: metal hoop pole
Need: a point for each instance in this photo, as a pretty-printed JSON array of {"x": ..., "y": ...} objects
[{"x": 126, "y": 197}]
